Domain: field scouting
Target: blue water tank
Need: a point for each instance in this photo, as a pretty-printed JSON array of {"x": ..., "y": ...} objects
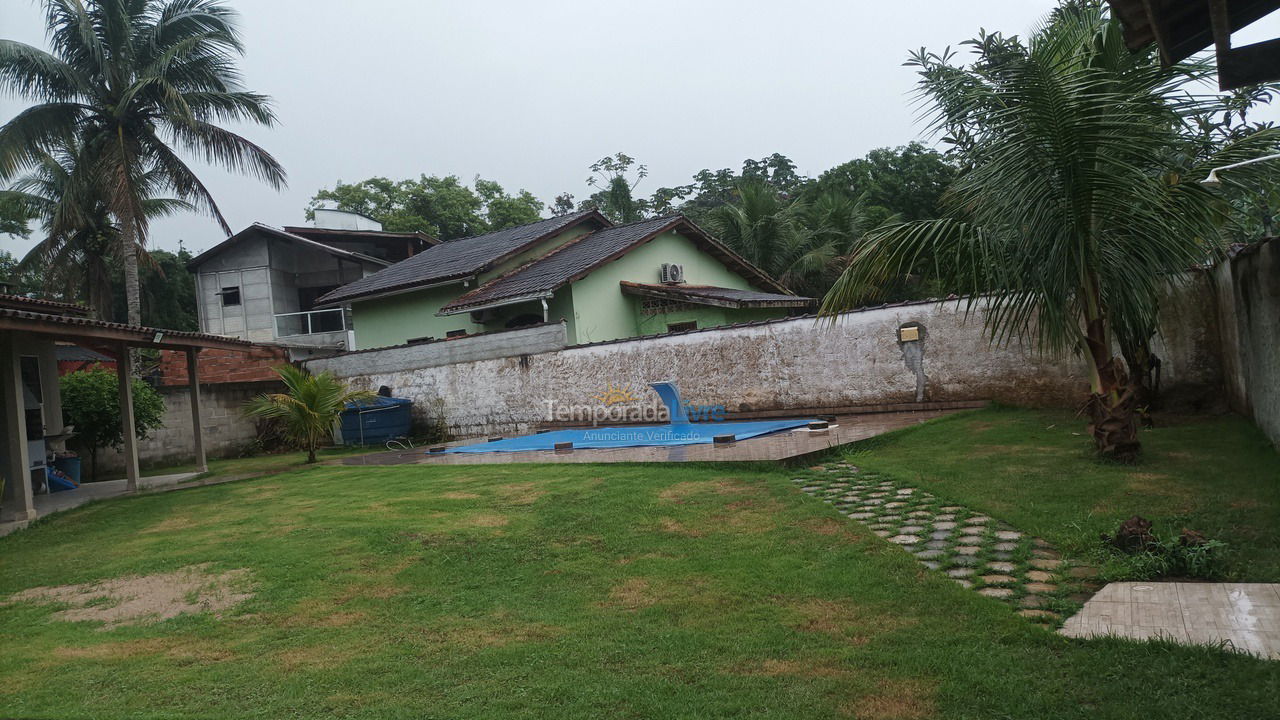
[{"x": 373, "y": 422}]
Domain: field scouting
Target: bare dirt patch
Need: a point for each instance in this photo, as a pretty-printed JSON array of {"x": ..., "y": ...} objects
[
  {"x": 672, "y": 525},
  {"x": 894, "y": 700},
  {"x": 632, "y": 594},
  {"x": 172, "y": 523},
  {"x": 843, "y": 619},
  {"x": 179, "y": 649},
  {"x": 692, "y": 596},
  {"x": 682, "y": 491},
  {"x": 139, "y": 599},
  {"x": 526, "y": 493},
  {"x": 794, "y": 668},
  {"x": 458, "y": 495},
  {"x": 498, "y": 629},
  {"x": 487, "y": 520},
  {"x": 830, "y": 527}
]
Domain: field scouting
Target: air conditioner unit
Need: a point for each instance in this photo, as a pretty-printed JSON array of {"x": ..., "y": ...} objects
[{"x": 671, "y": 274}]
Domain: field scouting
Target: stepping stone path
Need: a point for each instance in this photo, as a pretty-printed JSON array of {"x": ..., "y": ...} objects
[{"x": 973, "y": 550}]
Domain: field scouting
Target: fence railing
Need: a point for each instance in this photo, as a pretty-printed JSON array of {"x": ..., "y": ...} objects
[{"x": 310, "y": 322}]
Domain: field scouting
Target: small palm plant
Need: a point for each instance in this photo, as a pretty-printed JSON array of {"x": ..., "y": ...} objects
[{"x": 310, "y": 407}]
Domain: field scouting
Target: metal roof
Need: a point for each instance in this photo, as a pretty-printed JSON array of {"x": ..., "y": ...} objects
[
  {"x": 277, "y": 232},
  {"x": 457, "y": 259}
]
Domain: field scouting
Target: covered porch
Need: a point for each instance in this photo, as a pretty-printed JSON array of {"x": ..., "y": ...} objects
[{"x": 31, "y": 420}]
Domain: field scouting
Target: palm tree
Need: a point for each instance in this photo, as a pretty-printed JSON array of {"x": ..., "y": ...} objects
[
  {"x": 1080, "y": 203},
  {"x": 835, "y": 223},
  {"x": 134, "y": 82},
  {"x": 81, "y": 246},
  {"x": 762, "y": 226},
  {"x": 310, "y": 407}
]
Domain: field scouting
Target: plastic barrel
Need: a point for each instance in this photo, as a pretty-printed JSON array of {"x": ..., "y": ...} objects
[{"x": 70, "y": 466}]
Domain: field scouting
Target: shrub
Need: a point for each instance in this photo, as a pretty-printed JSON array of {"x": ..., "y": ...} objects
[{"x": 91, "y": 402}]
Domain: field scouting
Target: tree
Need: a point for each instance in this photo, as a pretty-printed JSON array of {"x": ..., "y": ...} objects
[
  {"x": 442, "y": 207},
  {"x": 79, "y": 256},
  {"x": 712, "y": 188},
  {"x": 801, "y": 244},
  {"x": 168, "y": 291},
  {"x": 310, "y": 407},
  {"x": 91, "y": 402},
  {"x": 763, "y": 227},
  {"x": 615, "y": 191},
  {"x": 13, "y": 217},
  {"x": 135, "y": 81},
  {"x": 1080, "y": 202},
  {"x": 905, "y": 183}
]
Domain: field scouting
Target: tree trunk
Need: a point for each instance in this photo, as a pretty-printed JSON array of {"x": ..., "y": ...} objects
[
  {"x": 129, "y": 258},
  {"x": 311, "y": 454},
  {"x": 1112, "y": 405}
]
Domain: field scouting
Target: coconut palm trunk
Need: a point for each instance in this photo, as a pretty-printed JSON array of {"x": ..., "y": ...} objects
[
  {"x": 1111, "y": 409},
  {"x": 129, "y": 260}
]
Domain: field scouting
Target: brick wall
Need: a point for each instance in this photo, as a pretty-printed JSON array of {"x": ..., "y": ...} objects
[{"x": 224, "y": 366}]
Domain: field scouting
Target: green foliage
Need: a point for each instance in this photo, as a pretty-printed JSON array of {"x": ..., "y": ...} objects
[
  {"x": 905, "y": 183},
  {"x": 134, "y": 82},
  {"x": 14, "y": 217},
  {"x": 615, "y": 194},
  {"x": 78, "y": 260},
  {"x": 168, "y": 291},
  {"x": 91, "y": 402},
  {"x": 1081, "y": 199},
  {"x": 1166, "y": 558},
  {"x": 309, "y": 408},
  {"x": 1218, "y": 475},
  {"x": 442, "y": 207}
]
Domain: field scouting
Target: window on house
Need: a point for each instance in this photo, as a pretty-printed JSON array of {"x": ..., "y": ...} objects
[
  {"x": 230, "y": 296},
  {"x": 682, "y": 326},
  {"x": 455, "y": 333}
]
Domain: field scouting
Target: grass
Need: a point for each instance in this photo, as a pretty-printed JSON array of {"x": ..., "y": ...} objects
[
  {"x": 1035, "y": 469},
  {"x": 579, "y": 591}
]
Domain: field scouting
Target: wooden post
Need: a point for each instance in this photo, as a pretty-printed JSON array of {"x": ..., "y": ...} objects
[
  {"x": 124, "y": 373},
  {"x": 18, "y": 503},
  {"x": 193, "y": 382}
]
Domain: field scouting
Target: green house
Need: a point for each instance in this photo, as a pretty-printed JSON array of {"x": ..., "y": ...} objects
[{"x": 604, "y": 281}]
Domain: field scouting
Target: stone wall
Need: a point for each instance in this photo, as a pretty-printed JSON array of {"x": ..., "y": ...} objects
[
  {"x": 1248, "y": 287},
  {"x": 227, "y": 432},
  {"x": 796, "y": 364}
]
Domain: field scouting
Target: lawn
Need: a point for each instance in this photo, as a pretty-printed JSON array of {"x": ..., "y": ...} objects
[
  {"x": 1034, "y": 469},
  {"x": 632, "y": 591}
]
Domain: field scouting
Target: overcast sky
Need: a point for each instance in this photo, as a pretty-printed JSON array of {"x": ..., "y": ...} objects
[{"x": 531, "y": 93}]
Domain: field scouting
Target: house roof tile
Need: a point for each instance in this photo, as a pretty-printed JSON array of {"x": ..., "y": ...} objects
[
  {"x": 575, "y": 260},
  {"x": 456, "y": 259}
]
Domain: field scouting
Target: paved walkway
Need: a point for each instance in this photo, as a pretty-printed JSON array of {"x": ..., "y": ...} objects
[
  {"x": 972, "y": 549},
  {"x": 88, "y": 492},
  {"x": 1244, "y": 617}
]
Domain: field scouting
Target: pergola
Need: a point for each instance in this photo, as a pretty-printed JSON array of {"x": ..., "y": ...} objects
[
  {"x": 1183, "y": 28},
  {"x": 29, "y": 329}
]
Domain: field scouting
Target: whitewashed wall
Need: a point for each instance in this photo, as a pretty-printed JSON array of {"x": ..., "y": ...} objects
[{"x": 779, "y": 365}]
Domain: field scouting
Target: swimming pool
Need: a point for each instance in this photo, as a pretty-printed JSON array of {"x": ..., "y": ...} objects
[{"x": 680, "y": 432}]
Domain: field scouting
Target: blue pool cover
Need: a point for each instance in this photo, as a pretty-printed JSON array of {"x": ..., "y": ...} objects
[{"x": 636, "y": 436}]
